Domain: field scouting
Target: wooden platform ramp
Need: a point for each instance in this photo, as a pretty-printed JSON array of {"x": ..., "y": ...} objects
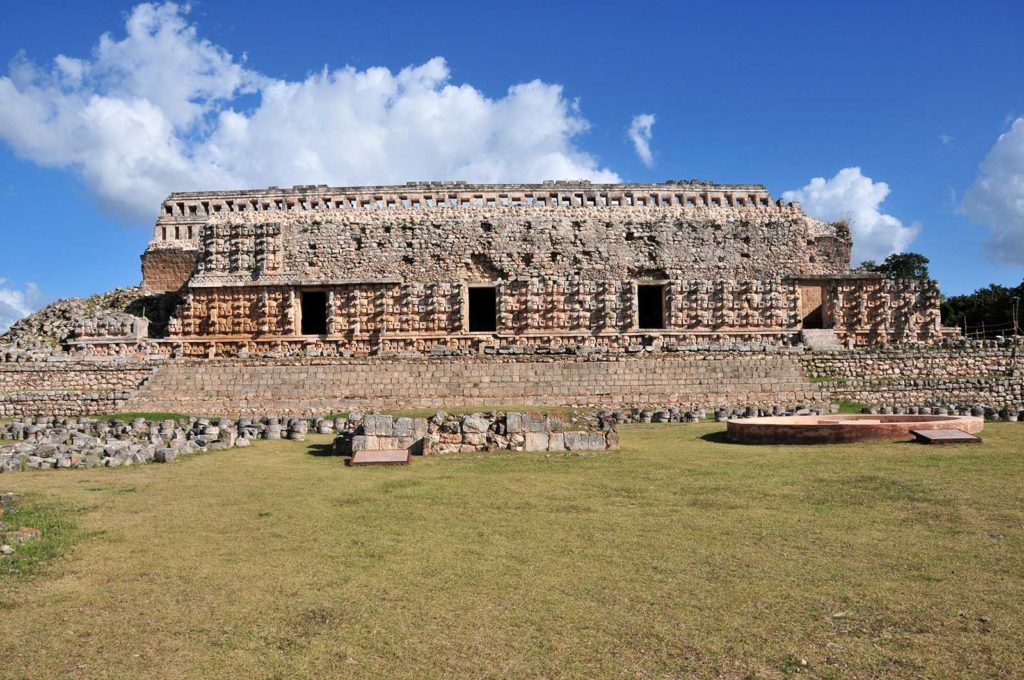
[
  {"x": 945, "y": 437},
  {"x": 382, "y": 457}
]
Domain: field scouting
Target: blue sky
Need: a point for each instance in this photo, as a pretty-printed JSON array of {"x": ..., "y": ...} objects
[{"x": 915, "y": 95}]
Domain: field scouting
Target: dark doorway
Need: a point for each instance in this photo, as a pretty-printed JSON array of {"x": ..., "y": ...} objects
[
  {"x": 483, "y": 309},
  {"x": 314, "y": 312},
  {"x": 812, "y": 306},
  {"x": 650, "y": 306}
]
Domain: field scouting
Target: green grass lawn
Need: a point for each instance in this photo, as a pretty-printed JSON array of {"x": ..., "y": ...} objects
[{"x": 680, "y": 556}]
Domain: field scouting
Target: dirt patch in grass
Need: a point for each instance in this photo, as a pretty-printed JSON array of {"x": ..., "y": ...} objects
[
  {"x": 682, "y": 555},
  {"x": 58, "y": 532}
]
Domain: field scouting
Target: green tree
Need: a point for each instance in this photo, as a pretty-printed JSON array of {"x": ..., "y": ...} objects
[
  {"x": 900, "y": 266},
  {"x": 987, "y": 311}
]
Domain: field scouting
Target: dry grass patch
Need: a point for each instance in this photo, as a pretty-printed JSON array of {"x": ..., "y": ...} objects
[{"x": 681, "y": 556}]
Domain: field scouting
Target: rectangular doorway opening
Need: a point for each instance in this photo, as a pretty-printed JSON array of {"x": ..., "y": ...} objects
[
  {"x": 650, "y": 303},
  {"x": 314, "y": 312},
  {"x": 483, "y": 309},
  {"x": 812, "y": 306}
]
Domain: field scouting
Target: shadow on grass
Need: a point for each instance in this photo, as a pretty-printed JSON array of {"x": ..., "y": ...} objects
[
  {"x": 719, "y": 437},
  {"x": 722, "y": 437},
  {"x": 322, "y": 450}
]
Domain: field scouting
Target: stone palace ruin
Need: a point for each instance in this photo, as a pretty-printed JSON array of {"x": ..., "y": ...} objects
[
  {"x": 378, "y": 270},
  {"x": 685, "y": 295}
]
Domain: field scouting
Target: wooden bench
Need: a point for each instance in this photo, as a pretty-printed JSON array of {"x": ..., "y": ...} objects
[
  {"x": 945, "y": 437},
  {"x": 382, "y": 457}
]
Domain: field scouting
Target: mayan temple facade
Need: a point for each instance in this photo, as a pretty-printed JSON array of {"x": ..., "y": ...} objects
[{"x": 433, "y": 266}]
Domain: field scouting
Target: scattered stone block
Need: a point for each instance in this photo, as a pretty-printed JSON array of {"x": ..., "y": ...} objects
[
  {"x": 378, "y": 425},
  {"x": 380, "y": 457},
  {"x": 475, "y": 424},
  {"x": 536, "y": 441},
  {"x": 513, "y": 423},
  {"x": 165, "y": 455}
]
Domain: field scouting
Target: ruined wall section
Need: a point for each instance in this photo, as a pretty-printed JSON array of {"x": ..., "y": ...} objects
[
  {"x": 167, "y": 268},
  {"x": 469, "y": 244},
  {"x": 183, "y": 216}
]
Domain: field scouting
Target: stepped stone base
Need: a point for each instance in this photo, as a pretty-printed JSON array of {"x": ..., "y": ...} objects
[{"x": 302, "y": 386}]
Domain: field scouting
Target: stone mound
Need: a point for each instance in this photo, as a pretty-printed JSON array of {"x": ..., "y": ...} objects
[{"x": 109, "y": 313}]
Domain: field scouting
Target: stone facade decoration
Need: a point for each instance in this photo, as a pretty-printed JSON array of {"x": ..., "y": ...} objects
[{"x": 452, "y": 266}]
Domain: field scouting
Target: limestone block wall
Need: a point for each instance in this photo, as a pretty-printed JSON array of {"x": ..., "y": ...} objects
[
  {"x": 301, "y": 386},
  {"x": 705, "y": 379},
  {"x": 69, "y": 388},
  {"x": 970, "y": 360},
  {"x": 168, "y": 267},
  {"x": 463, "y": 244},
  {"x": 973, "y": 373},
  {"x": 996, "y": 392}
]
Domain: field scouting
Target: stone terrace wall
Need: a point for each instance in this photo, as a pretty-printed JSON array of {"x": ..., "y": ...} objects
[
  {"x": 705, "y": 379},
  {"x": 995, "y": 392},
  {"x": 69, "y": 388},
  {"x": 301, "y": 386},
  {"x": 986, "y": 373},
  {"x": 969, "y": 361}
]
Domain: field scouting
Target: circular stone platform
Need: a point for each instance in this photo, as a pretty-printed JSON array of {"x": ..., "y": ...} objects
[{"x": 841, "y": 429}]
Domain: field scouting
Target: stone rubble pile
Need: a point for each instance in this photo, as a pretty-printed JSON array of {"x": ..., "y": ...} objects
[
  {"x": 55, "y": 443},
  {"x": 1011, "y": 414},
  {"x": 449, "y": 433},
  {"x": 120, "y": 313},
  {"x": 56, "y": 323},
  {"x": 47, "y": 443},
  {"x": 679, "y": 414}
]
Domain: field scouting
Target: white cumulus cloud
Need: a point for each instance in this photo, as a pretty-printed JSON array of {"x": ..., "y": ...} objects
[
  {"x": 996, "y": 199},
  {"x": 16, "y": 304},
  {"x": 161, "y": 109},
  {"x": 856, "y": 198},
  {"x": 641, "y": 130}
]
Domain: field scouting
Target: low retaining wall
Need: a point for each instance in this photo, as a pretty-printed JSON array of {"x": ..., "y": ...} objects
[
  {"x": 445, "y": 433},
  {"x": 967, "y": 361},
  {"x": 71, "y": 387},
  {"x": 986, "y": 372},
  {"x": 996, "y": 392}
]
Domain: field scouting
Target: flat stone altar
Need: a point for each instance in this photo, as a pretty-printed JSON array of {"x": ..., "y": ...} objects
[{"x": 843, "y": 429}]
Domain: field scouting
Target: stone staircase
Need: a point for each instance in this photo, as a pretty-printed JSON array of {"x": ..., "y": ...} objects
[{"x": 821, "y": 338}]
